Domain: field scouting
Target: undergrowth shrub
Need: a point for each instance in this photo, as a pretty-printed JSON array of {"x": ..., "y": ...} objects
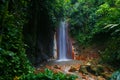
[
  {"x": 48, "y": 75},
  {"x": 13, "y": 60},
  {"x": 13, "y": 65},
  {"x": 111, "y": 55},
  {"x": 115, "y": 75}
]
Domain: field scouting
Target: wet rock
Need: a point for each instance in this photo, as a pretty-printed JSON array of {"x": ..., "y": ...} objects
[
  {"x": 95, "y": 69},
  {"x": 72, "y": 69},
  {"x": 57, "y": 67},
  {"x": 88, "y": 63},
  {"x": 106, "y": 75},
  {"x": 100, "y": 78},
  {"x": 83, "y": 69}
]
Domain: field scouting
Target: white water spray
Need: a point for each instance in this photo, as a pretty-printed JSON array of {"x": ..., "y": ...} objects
[
  {"x": 64, "y": 48},
  {"x": 62, "y": 41}
]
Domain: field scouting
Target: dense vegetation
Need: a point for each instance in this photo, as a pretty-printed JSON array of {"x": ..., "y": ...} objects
[
  {"x": 48, "y": 75},
  {"x": 98, "y": 22},
  {"x": 13, "y": 60},
  {"x": 91, "y": 22}
]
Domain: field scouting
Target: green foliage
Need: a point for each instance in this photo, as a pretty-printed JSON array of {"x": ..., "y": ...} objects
[
  {"x": 13, "y": 65},
  {"x": 13, "y": 61},
  {"x": 83, "y": 20},
  {"x": 111, "y": 54},
  {"x": 113, "y": 29},
  {"x": 97, "y": 22},
  {"x": 115, "y": 75},
  {"x": 48, "y": 75},
  {"x": 89, "y": 17},
  {"x": 82, "y": 38},
  {"x": 58, "y": 9},
  {"x": 105, "y": 14}
]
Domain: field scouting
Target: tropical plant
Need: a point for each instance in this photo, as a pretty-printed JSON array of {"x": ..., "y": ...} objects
[
  {"x": 13, "y": 60},
  {"x": 48, "y": 75},
  {"x": 115, "y": 76}
]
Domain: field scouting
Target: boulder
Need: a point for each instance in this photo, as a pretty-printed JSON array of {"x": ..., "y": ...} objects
[
  {"x": 72, "y": 69},
  {"x": 95, "y": 69},
  {"x": 83, "y": 69},
  {"x": 57, "y": 67}
]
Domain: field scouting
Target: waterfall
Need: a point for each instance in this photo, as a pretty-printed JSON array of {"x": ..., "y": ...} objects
[{"x": 64, "y": 47}]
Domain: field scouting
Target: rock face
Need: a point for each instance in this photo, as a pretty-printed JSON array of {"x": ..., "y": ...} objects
[
  {"x": 93, "y": 69},
  {"x": 39, "y": 34}
]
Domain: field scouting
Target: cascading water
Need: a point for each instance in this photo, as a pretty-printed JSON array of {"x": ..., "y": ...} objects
[
  {"x": 64, "y": 48},
  {"x": 62, "y": 41}
]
